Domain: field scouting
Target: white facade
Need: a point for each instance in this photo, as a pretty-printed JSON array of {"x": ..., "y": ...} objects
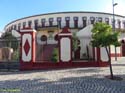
[
  {"x": 65, "y": 49},
  {"x": 27, "y": 38},
  {"x": 71, "y": 16}
]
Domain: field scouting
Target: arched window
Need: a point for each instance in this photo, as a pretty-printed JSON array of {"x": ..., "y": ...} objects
[
  {"x": 59, "y": 22},
  {"x": 84, "y": 21},
  {"x": 75, "y": 22},
  {"x": 99, "y": 19},
  {"x": 24, "y": 25},
  {"x": 92, "y": 19},
  {"x": 43, "y": 38},
  {"x": 107, "y": 21},
  {"x": 119, "y": 24},
  {"x": 29, "y": 24},
  {"x": 43, "y": 22},
  {"x": 50, "y": 22},
  {"x": 36, "y": 24},
  {"x": 19, "y": 26},
  {"x": 67, "y": 21}
]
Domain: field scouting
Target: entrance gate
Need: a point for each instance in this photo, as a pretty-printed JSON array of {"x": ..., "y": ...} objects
[
  {"x": 44, "y": 53},
  {"x": 46, "y": 48}
]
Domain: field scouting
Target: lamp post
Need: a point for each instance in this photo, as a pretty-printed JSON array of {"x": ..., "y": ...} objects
[{"x": 113, "y": 28}]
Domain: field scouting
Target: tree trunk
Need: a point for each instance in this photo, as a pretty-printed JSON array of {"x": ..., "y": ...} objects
[{"x": 110, "y": 65}]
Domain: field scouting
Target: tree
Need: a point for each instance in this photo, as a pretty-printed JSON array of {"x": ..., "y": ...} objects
[
  {"x": 10, "y": 40},
  {"x": 103, "y": 36},
  {"x": 75, "y": 41},
  {"x": 75, "y": 44}
]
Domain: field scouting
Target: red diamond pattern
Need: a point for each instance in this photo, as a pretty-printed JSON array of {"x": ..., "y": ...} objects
[{"x": 26, "y": 47}]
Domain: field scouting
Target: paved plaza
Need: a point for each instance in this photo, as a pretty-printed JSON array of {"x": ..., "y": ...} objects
[{"x": 76, "y": 80}]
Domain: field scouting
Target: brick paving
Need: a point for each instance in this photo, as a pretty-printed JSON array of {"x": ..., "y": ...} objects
[{"x": 76, "y": 80}]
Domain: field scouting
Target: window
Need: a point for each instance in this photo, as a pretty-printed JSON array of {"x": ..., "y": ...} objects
[
  {"x": 36, "y": 24},
  {"x": 50, "y": 35},
  {"x": 59, "y": 22},
  {"x": 19, "y": 25},
  {"x": 119, "y": 24},
  {"x": 43, "y": 22},
  {"x": 84, "y": 21},
  {"x": 24, "y": 25},
  {"x": 14, "y": 27},
  {"x": 84, "y": 18},
  {"x": 99, "y": 19},
  {"x": 9, "y": 29},
  {"x": 75, "y": 18},
  {"x": 67, "y": 18},
  {"x": 107, "y": 21},
  {"x": 92, "y": 19},
  {"x": 50, "y": 21},
  {"x": 67, "y": 21},
  {"x": 29, "y": 24},
  {"x": 124, "y": 24},
  {"x": 58, "y": 18},
  {"x": 75, "y": 22}
]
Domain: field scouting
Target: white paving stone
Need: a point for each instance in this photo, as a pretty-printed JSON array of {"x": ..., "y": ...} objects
[{"x": 76, "y": 80}]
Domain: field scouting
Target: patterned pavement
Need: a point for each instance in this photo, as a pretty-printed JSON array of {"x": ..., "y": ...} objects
[{"x": 76, "y": 80}]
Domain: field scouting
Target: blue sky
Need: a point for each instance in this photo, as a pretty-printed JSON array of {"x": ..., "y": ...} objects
[{"x": 13, "y": 9}]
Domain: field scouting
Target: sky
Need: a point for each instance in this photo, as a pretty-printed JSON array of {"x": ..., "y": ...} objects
[{"x": 11, "y": 10}]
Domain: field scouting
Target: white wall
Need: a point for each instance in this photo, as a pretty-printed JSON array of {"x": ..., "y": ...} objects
[
  {"x": 28, "y": 37},
  {"x": 0, "y": 34},
  {"x": 65, "y": 49},
  {"x": 118, "y": 49},
  {"x": 104, "y": 56},
  {"x": 63, "y": 15},
  {"x": 84, "y": 42}
]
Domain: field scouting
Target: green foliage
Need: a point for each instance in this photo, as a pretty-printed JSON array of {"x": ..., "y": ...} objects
[
  {"x": 10, "y": 40},
  {"x": 75, "y": 41},
  {"x": 15, "y": 56},
  {"x": 103, "y": 36},
  {"x": 55, "y": 55}
]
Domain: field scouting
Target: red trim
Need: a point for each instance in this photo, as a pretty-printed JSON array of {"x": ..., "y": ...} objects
[
  {"x": 59, "y": 48},
  {"x": 98, "y": 54},
  {"x": 93, "y": 52},
  {"x": 123, "y": 49},
  {"x": 64, "y": 31},
  {"x": 28, "y": 65},
  {"x": 33, "y": 46},
  {"x": 36, "y": 65},
  {"x": 31, "y": 33},
  {"x": 118, "y": 55}
]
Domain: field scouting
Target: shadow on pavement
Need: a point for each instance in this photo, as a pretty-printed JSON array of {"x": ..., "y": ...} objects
[{"x": 66, "y": 85}]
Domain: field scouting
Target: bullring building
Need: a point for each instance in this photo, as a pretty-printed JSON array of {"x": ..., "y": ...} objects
[{"x": 50, "y": 24}]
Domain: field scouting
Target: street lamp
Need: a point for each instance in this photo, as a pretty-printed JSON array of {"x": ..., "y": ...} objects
[{"x": 113, "y": 25}]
